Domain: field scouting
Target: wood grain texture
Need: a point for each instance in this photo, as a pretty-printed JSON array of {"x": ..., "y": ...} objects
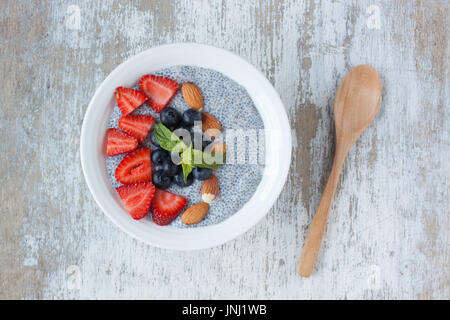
[{"x": 388, "y": 234}]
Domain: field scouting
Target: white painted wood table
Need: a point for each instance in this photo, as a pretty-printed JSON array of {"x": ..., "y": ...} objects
[{"x": 388, "y": 233}]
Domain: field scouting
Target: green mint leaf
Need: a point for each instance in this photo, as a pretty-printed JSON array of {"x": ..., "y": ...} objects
[
  {"x": 208, "y": 166},
  {"x": 206, "y": 160},
  {"x": 167, "y": 139},
  {"x": 187, "y": 156},
  {"x": 186, "y": 162},
  {"x": 187, "y": 168},
  {"x": 218, "y": 158}
]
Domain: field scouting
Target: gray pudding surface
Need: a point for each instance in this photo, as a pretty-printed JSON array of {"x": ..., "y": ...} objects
[{"x": 232, "y": 106}]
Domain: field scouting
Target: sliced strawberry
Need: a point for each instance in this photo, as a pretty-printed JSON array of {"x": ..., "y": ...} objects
[
  {"x": 135, "y": 167},
  {"x": 118, "y": 142},
  {"x": 137, "y": 198},
  {"x": 166, "y": 206},
  {"x": 159, "y": 90},
  {"x": 129, "y": 99},
  {"x": 137, "y": 126}
]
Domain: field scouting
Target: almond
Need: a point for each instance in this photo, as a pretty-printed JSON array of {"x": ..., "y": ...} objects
[
  {"x": 192, "y": 95},
  {"x": 210, "y": 189},
  {"x": 219, "y": 147},
  {"x": 210, "y": 125},
  {"x": 195, "y": 213}
]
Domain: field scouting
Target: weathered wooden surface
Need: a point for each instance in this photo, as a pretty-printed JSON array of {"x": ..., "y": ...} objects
[{"x": 388, "y": 233}]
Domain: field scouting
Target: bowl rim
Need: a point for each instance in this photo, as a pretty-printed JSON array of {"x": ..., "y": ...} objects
[{"x": 189, "y": 238}]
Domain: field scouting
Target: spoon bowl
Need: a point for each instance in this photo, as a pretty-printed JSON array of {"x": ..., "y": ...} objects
[{"x": 356, "y": 103}]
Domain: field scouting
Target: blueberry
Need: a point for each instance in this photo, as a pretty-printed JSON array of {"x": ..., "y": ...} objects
[
  {"x": 201, "y": 173},
  {"x": 200, "y": 140},
  {"x": 184, "y": 126},
  {"x": 197, "y": 138},
  {"x": 205, "y": 143},
  {"x": 169, "y": 168},
  {"x": 157, "y": 167},
  {"x": 190, "y": 116},
  {"x": 159, "y": 155},
  {"x": 170, "y": 117},
  {"x": 153, "y": 139},
  {"x": 195, "y": 129},
  {"x": 176, "y": 157},
  {"x": 184, "y": 135},
  {"x": 179, "y": 178},
  {"x": 161, "y": 180}
]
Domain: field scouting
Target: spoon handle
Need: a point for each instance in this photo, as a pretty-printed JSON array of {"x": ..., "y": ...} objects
[{"x": 314, "y": 239}]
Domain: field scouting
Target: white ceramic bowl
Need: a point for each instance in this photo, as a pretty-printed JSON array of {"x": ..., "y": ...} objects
[{"x": 277, "y": 149}]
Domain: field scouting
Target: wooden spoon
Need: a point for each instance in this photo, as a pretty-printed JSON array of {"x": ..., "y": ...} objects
[{"x": 357, "y": 101}]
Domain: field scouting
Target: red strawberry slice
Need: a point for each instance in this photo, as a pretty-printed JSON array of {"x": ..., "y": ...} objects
[
  {"x": 129, "y": 99},
  {"x": 137, "y": 198},
  {"x": 135, "y": 167},
  {"x": 118, "y": 142},
  {"x": 159, "y": 90},
  {"x": 166, "y": 206},
  {"x": 137, "y": 126}
]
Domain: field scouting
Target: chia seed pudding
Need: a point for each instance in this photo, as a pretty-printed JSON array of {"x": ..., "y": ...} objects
[{"x": 230, "y": 103}]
